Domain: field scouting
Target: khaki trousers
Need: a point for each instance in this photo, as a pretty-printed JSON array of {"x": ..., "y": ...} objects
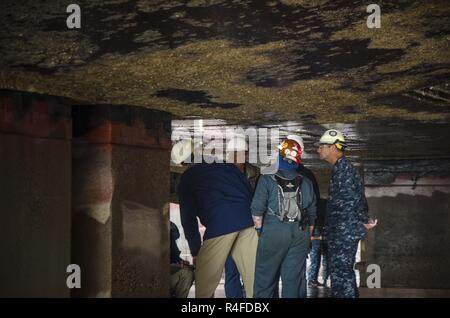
[{"x": 210, "y": 262}]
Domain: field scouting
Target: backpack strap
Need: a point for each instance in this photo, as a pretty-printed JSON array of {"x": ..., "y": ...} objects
[{"x": 300, "y": 198}]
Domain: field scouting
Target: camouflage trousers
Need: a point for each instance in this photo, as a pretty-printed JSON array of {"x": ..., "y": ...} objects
[
  {"x": 318, "y": 257},
  {"x": 342, "y": 255}
]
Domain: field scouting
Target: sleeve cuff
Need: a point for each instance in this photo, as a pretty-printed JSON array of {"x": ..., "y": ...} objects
[{"x": 255, "y": 213}]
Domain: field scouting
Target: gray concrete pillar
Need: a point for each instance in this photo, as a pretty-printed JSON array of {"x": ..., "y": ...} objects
[
  {"x": 411, "y": 200},
  {"x": 120, "y": 187},
  {"x": 35, "y": 195}
]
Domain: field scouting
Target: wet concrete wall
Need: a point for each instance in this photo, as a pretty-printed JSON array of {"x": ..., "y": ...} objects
[
  {"x": 85, "y": 185},
  {"x": 35, "y": 195},
  {"x": 120, "y": 206},
  {"x": 411, "y": 200}
]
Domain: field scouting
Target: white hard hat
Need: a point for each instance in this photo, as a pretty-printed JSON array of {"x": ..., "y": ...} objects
[
  {"x": 298, "y": 140},
  {"x": 181, "y": 151},
  {"x": 333, "y": 137},
  {"x": 237, "y": 143},
  {"x": 214, "y": 149}
]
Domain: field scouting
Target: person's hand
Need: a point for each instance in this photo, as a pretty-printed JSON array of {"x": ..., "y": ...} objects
[
  {"x": 311, "y": 229},
  {"x": 316, "y": 238},
  {"x": 257, "y": 220},
  {"x": 371, "y": 224}
]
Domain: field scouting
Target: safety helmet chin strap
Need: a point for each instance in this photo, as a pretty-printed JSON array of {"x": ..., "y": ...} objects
[{"x": 340, "y": 145}]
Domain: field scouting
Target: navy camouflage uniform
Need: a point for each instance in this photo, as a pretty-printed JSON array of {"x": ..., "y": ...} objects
[{"x": 347, "y": 212}]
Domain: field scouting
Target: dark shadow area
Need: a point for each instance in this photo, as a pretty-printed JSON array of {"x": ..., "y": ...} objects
[{"x": 193, "y": 97}]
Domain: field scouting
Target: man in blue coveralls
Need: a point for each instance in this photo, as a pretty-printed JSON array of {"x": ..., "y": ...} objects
[{"x": 284, "y": 211}]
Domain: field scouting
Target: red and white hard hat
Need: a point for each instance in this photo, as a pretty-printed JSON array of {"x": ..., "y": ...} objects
[
  {"x": 291, "y": 150},
  {"x": 299, "y": 140}
]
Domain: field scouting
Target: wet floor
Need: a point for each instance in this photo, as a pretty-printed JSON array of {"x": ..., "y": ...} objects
[
  {"x": 312, "y": 292},
  {"x": 322, "y": 292}
]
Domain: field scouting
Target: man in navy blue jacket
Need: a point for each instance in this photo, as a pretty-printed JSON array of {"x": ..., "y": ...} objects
[{"x": 220, "y": 196}]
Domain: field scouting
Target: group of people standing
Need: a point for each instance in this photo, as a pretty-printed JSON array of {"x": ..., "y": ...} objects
[{"x": 264, "y": 229}]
